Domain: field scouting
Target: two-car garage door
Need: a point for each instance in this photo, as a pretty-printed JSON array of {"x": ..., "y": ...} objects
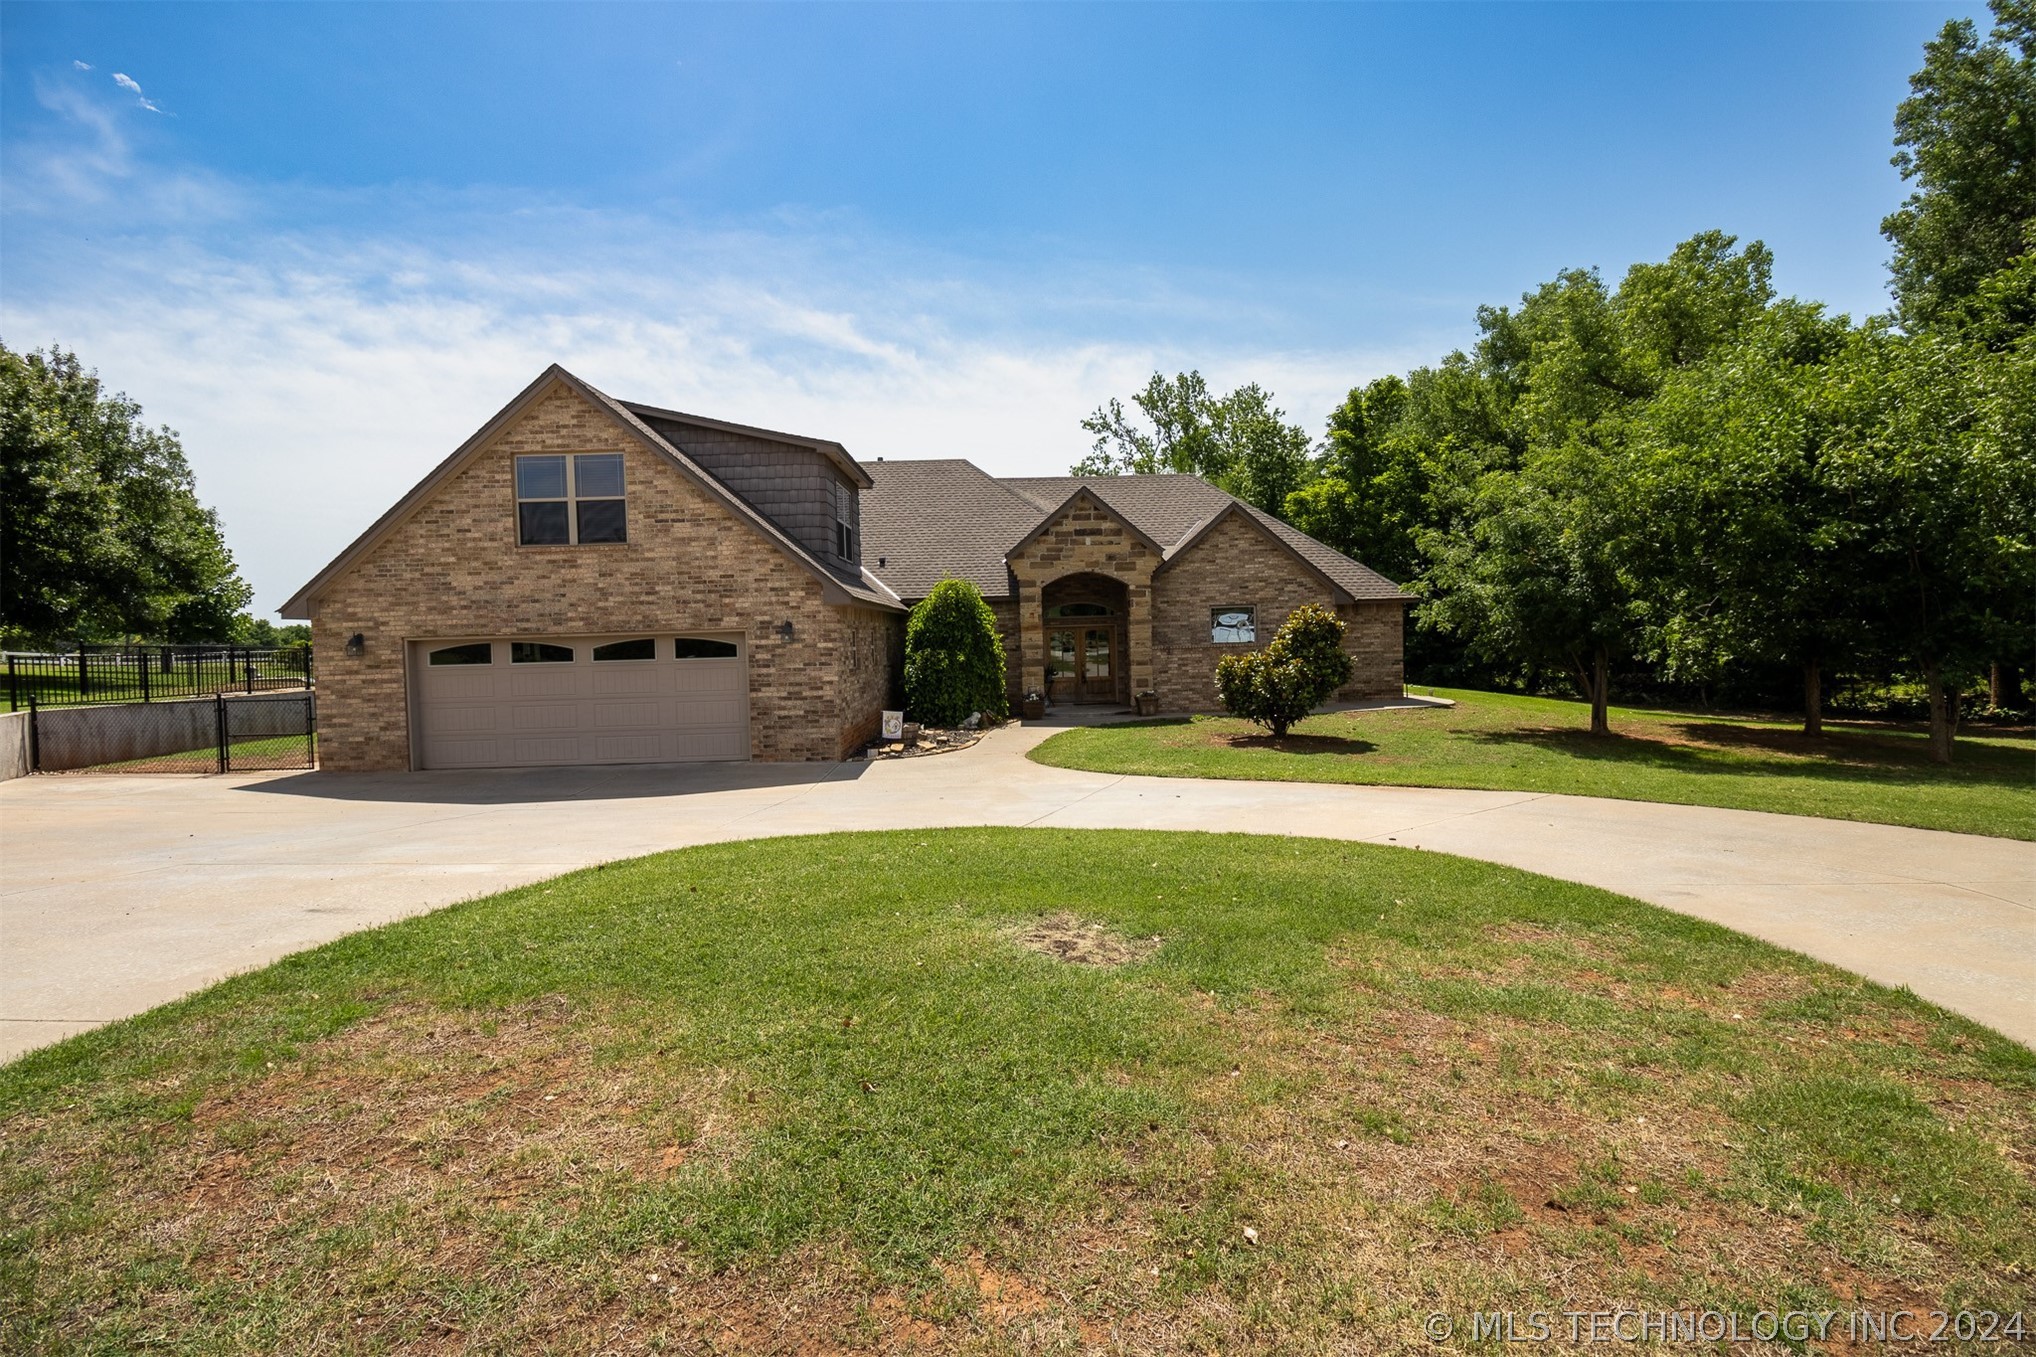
[{"x": 580, "y": 699}]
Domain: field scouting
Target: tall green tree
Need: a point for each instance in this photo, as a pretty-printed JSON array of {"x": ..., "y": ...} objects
[
  {"x": 1933, "y": 444},
  {"x": 1532, "y": 558},
  {"x": 1751, "y": 554},
  {"x": 1967, "y": 139},
  {"x": 1367, "y": 499},
  {"x": 1533, "y": 579},
  {"x": 1240, "y": 441},
  {"x": 102, "y": 534}
]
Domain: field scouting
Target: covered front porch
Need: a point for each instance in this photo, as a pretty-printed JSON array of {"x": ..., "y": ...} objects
[{"x": 1083, "y": 581}]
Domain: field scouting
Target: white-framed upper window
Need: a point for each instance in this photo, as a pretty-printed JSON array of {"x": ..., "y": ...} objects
[
  {"x": 847, "y": 541},
  {"x": 570, "y": 499},
  {"x": 1233, "y": 626}
]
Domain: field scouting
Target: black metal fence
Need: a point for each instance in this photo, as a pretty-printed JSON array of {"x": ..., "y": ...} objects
[
  {"x": 230, "y": 733},
  {"x": 94, "y": 674}
]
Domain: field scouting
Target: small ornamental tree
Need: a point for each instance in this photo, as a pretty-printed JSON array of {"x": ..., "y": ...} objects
[
  {"x": 954, "y": 661},
  {"x": 1278, "y": 686}
]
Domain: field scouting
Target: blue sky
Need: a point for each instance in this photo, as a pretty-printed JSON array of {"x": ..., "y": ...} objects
[{"x": 326, "y": 242}]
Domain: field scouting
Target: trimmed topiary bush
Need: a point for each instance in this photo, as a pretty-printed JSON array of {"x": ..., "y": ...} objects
[
  {"x": 1278, "y": 686},
  {"x": 954, "y": 663}
]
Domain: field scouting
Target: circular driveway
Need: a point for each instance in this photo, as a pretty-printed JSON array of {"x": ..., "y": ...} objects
[{"x": 118, "y": 893}]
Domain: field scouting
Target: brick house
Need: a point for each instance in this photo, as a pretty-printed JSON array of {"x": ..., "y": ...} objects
[{"x": 588, "y": 580}]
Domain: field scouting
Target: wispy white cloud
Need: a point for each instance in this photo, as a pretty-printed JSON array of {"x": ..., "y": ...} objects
[
  {"x": 81, "y": 65},
  {"x": 316, "y": 372},
  {"x": 128, "y": 83}
]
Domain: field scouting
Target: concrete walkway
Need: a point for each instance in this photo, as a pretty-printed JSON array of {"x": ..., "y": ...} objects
[{"x": 118, "y": 893}]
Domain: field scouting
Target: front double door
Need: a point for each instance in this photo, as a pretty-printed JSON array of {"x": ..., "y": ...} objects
[{"x": 1081, "y": 664}]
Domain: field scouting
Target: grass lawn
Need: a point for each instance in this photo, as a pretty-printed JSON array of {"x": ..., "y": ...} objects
[
  {"x": 246, "y": 756},
  {"x": 813, "y": 1095},
  {"x": 1535, "y": 744}
]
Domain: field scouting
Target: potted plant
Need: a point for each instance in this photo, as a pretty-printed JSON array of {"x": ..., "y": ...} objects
[
  {"x": 1146, "y": 703},
  {"x": 1033, "y": 705}
]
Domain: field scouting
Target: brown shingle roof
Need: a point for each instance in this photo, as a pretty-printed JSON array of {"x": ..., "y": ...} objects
[{"x": 932, "y": 519}]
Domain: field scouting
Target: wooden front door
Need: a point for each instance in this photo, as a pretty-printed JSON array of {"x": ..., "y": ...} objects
[
  {"x": 1081, "y": 664},
  {"x": 1099, "y": 664}
]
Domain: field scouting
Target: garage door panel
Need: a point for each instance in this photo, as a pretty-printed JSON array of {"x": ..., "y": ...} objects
[
  {"x": 462, "y": 681},
  {"x": 701, "y": 745},
  {"x": 636, "y": 680},
  {"x": 580, "y": 712},
  {"x": 548, "y": 716},
  {"x": 710, "y": 676},
  {"x": 608, "y": 715},
  {"x": 630, "y": 749},
  {"x": 556, "y": 749},
  {"x": 551, "y": 680}
]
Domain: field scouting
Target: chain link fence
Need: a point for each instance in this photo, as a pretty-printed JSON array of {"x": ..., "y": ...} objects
[{"x": 226, "y": 733}]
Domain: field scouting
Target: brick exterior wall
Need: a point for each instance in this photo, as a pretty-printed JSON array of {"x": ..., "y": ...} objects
[
  {"x": 872, "y": 660},
  {"x": 1236, "y": 565},
  {"x": 1375, "y": 634},
  {"x": 1006, "y": 610},
  {"x": 453, "y": 569},
  {"x": 1085, "y": 538}
]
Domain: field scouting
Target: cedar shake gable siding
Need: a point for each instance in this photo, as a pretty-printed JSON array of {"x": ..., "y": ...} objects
[{"x": 448, "y": 566}]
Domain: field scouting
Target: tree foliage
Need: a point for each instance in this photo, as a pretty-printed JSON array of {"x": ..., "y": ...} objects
[
  {"x": 1934, "y": 447},
  {"x": 1751, "y": 553},
  {"x": 1303, "y": 665},
  {"x": 1366, "y": 498},
  {"x": 1536, "y": 564},
  {"x": 1240, "y": 441},
  {"x": 954, "y": 661},
  {"x": 101, "y": 530},
  {"x": 1692, "y": 478},
  {"x": 1967, "y": 139}
]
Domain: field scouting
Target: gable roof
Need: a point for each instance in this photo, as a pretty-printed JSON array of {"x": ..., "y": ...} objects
[
  {"x": 925, "y": 521},
  {"x": 1053, "y": 516},
  {"x": 1241, "y": 511},
  {"x": 932, "y": 519},
  {"x": 841, "y": 586},
  {"x": 826, "y": 447}
]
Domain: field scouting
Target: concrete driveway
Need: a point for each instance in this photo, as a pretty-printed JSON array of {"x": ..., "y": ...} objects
[{"x": 118, "y": 893}]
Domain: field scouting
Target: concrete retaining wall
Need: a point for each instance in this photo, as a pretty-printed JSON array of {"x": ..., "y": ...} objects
[
  {"x": 85, "y": 737},
  {"x": 13, "y": 745}
]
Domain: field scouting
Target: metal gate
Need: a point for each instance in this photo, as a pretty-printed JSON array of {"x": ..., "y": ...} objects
[{"x": 220, "y": 734}]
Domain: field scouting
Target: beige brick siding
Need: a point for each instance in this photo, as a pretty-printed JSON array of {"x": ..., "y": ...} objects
[
  {"x": 1006, "y": 610},
  {"x": 1085, "y": 538},
  {"x": 453, "y": 569},
  {"x": 1236, "y": 565},
  {"x": 1375, "y": 634},
  {"x": 872, "y": 657}
]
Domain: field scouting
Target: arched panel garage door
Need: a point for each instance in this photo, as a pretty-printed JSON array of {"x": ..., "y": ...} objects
[{"x": 562, "y": 700}]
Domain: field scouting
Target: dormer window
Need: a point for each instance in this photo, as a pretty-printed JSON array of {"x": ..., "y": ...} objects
[
  {"x": 847, "y": 541},
  {"x": 570, "y": 499}
]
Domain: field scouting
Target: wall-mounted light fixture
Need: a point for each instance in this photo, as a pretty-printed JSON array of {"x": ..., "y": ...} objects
[
  {"x": 785, "y": 630},
  {"x": 356, "y": 643},
  {"x": 881, "y": 559}
]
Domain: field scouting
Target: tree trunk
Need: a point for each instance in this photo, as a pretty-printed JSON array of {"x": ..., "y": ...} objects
[
  {"x": 1996, "y": 695},
  {"x": 1813, "y": 698},
  {"x": 1940, "y": 714},
  {"x": 1601, "y": 683}
]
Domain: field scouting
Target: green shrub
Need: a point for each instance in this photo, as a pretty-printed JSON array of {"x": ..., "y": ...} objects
[
  {"x": 954, "y": 663},
  {"x": 1278, "y": 686}
]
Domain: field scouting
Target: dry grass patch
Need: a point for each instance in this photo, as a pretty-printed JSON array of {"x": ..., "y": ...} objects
[{"x": 1065, "y": 936}]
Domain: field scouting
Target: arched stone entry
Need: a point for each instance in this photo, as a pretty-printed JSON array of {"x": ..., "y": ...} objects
[
  {"x": 1085, "y": 539},
  {"x": 1087, "y": 644}
]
